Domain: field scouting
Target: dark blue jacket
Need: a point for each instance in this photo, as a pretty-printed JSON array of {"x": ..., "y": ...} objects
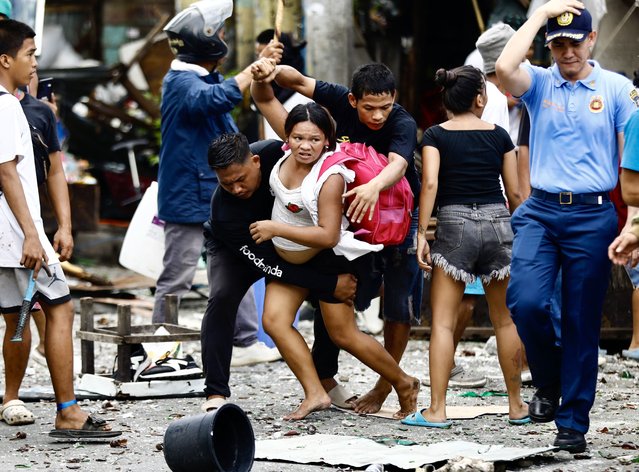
[{"x": 195, "y": 110}]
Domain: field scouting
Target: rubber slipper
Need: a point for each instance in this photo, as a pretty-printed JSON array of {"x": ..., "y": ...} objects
[
  {"x": 630, "y": 354},
  {"x": 93, "y": 428},
  {"x": 341, "y": 397},
  {"x": 14, "y": 413},
  {"x": 212, "y": 404},
  {"x": 417, "y": 419},
  {"x": 520, "y": 421}
]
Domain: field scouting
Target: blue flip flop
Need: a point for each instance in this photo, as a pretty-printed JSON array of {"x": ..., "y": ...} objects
[
  {"x": 417, "y": 419},
  {"x": 520, "y": 421},
  {"x": 630, "y": 354}
]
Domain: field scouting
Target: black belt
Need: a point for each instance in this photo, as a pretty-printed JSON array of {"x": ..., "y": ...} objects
[{"x": 569, "y": 198}]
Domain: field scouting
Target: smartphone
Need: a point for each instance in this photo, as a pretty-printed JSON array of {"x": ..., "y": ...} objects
[{"x": 45, "y": 88}]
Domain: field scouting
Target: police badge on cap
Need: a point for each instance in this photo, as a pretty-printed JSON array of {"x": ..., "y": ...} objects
[{"x": 567, "y": 25}]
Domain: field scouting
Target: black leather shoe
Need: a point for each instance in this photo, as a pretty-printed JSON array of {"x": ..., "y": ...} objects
[
  {"x": 570, "y": 440},
  {"x": 543, "y": 405}
]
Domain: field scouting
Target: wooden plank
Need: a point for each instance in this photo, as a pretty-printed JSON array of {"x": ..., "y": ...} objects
[
  {"x": 123, "y": 373},
  {"x": 136, "y": 338},
  {"x": 151, "y": 329},
  {"x": 124, "y": 283},
  {"x": 87, "y": 348},
  {"x": 133, "y": 302},
  {"x": 99, "y": 337}
]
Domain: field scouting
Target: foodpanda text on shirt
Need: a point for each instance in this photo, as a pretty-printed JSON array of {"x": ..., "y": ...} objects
[{"x": 259, "y": 263}]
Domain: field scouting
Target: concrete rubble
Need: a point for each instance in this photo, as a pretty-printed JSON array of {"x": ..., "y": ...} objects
[{"x": 267, "y": 391}]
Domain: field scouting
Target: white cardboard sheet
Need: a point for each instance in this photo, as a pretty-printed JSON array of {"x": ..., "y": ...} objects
[{"x": 360, "y": 452}]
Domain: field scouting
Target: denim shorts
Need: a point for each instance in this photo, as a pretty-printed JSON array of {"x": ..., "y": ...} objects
[
  {"x": 396, "y": 267},
  {"x": 473, "y": 241},
  {"x": 633, "y": 273}
]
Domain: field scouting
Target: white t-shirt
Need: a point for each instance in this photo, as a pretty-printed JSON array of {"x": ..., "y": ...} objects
[
  {"x": 15, "y": 141},
  {"x": 496, "y": 109}
]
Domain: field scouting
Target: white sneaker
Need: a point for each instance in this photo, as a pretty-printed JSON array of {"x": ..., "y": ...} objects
[
  {"x": 254, "y": 354},
  {"x": 369, "y": 320},
  {"x": 460, "y": 378}
]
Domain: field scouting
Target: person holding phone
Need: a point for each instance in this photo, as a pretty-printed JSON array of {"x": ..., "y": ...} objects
[{"x": 45, "y": 89}]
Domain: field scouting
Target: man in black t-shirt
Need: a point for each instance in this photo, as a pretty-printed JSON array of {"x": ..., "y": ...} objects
[
  {"x": 367, "y": 113},
  {"x": 235, "y": 261}
]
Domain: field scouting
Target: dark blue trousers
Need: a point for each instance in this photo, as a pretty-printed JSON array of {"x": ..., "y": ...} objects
[{"x": 575, "y": 238}]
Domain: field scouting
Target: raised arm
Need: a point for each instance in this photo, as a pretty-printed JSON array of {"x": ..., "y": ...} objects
[
  {"x": 509, "y": 65},
  {"x": 290, "y": 78},
  {"x": 262, "y": 92}
]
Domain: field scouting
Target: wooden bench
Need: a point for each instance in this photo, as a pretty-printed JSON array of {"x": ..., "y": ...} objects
[{"x": 125, "y": 336}]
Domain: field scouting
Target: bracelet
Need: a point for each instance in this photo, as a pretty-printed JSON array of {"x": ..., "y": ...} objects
[{"x": 63, "y": 405}]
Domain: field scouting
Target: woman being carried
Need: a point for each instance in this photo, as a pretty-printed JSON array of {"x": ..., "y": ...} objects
[
  {"x": 308, "y": 219},
  {"x": 462, "y": 160}
]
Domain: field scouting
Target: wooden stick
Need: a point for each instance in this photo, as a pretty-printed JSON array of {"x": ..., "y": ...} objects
[
  {"x": 279, "y": 15},
  {"x": 480, "y": 20}
]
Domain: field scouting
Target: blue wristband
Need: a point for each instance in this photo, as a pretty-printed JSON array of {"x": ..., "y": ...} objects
[{"x": 62, "y": 406}]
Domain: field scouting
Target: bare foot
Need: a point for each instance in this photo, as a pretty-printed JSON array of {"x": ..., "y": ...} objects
[
  {"x": 74, "y": 418},
  {"x": 372, "y": 401},
  {"x": 308, "y": 406},
  {"x": 518, "y": 412},
  {"x": 407, "y": 398},
  {"x": 432, "y": 416}
]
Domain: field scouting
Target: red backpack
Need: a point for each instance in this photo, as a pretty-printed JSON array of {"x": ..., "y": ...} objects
[{"x": 392, "y": 215}]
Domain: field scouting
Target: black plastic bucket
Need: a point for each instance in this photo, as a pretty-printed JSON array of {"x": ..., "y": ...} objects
[{"x": 221, "y": 440}]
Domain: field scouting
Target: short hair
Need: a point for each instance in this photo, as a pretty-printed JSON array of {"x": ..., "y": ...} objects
[
  {"x": 316, "y": 114},
  {"x": 228, "y": 149},
  {"x": 373, "y": 79},
  {"x": 12, "y": 36},
  {"x": 460, "y": 85}
]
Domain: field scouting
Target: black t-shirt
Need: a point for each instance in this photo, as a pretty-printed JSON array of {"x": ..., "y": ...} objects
[
  {"x": 228, "y": 229},
  {"x": 398, "y": 135},
  {"x": 524, "y": 129},
  {"x": 470, "y": 164},
  {"x": 40, "y": 116}
]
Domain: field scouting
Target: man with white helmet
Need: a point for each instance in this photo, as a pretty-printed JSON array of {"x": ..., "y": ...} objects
[{"x": 196, "y": 105}]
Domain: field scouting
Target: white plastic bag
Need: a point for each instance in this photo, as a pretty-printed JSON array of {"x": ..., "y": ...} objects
[{"x": 143, "y": 245}]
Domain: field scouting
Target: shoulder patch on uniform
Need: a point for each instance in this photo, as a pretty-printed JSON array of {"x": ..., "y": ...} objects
[
  {"x": 634, "y": 96},
  {"x": 344, "y": 139},
  {"x": 596, "y": 104}
]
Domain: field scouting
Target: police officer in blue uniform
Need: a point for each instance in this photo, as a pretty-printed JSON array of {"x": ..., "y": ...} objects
[{"x": 578, "y": 111}]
